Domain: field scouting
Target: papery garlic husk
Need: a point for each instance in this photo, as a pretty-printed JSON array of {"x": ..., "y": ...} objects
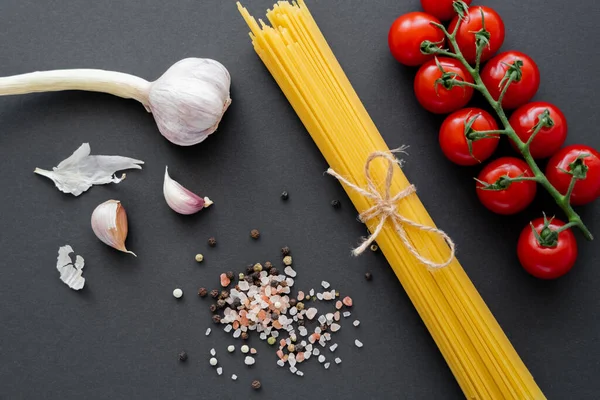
[
  {"x": 182, "y": 200},
  {"x": 189, "y": 100},
  {"x": 109, "y": 223}
]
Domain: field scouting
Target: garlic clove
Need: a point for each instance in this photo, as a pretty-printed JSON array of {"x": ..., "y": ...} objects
[
  {"x": 189, "y": 100},
  {"x": 182, "y": 200},
  {"x": 109, "y": 223}
]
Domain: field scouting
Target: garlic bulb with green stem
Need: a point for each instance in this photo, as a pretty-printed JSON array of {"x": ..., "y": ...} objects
[{"x": 187, "y": 101}]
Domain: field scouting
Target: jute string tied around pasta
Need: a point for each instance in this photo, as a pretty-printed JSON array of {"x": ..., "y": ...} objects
[{"x": 385, "y": 208}]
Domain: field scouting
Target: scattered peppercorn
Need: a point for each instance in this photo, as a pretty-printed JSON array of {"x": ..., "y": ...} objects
[
  {"x": 299, "y": 348},
  {"x": 283, "y": 283},
  {"x": 254, "y": 234},
  {"x": 241, "y": 276},
  {"x": 256, "y": 385},
  {"x": 291, "y": 348},
  {"x": 271, "y": 340},
  {"x": 214, "y": 293},
  {"x": 268, "y": 265},
  {"x": 374, "y": 247},
  {"x": 199, "y": 257},
  {"x": 221, "y": 303},
  {"x": 236, "y": 303},
  {"x": 258, "y": 267},
  {"x": 285, "y": 251},
  {"x": 368, "y": 276},
  {"x": 249, "y": 279},
  {"x": 323, "y": 328},
  {"x": 275, "y": 316},
  {"x": 300, "y": 306},
  {"x": 202, "y": 292},
  {"x": 213, "y": 308},
  {"x": 287, "y": 260},
  {"x": 273, "y": 272},
  {"x": 229, "y": 275},
  {"x": 216, "y": 319},
  {"x": 300, "y": 322},
  {"x": 285, "y": 195},
  {"x": 244, "y": 335},
  {"x": 212, "y": 242},
  {"x": 250, "y": 269},
  {"x": 274, "y": 283},
  {"x": 336, "y": 204},
  {"x": 293, "y": 302},
  {"x": 183, "y": 356},
  {"x": 224, "y": 294}
]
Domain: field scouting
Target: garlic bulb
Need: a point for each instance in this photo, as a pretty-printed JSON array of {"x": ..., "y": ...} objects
[
  {"x": 182, "y": 200},
  {"x": 187, "y": 101},
  {"x": 109, "y": 223}
]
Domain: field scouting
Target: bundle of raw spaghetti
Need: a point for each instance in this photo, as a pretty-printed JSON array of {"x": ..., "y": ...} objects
[{"x": 473, "y": 344}]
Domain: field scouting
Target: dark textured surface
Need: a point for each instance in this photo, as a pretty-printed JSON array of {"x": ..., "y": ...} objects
[{"x": 120, "y": 337}]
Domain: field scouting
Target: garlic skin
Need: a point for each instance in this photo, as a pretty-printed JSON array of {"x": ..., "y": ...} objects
[
  {"x": 182, "y": 200},
  {"x": 189, "y": 100},
  {"x": 109, "y": 223}
]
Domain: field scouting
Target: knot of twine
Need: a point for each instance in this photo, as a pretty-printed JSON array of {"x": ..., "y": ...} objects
[{"x": 385, "y": 208}]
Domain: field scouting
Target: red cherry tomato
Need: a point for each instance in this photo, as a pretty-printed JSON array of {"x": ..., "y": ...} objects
[
  {"x": 408, "y": 32},
  {"x": 519, "y": 92},
  {"x": 547, "y": 262},
  {"x": 549, "y": 139},
  {"x": 517, "y": 196},
  {"x": 434, "y": 96},
  {"x": 454, "y": 143},
  {"x": 465, "y": 37},
  {"x": 441, "y": 9},
  {"x": 585, "y": 190}
]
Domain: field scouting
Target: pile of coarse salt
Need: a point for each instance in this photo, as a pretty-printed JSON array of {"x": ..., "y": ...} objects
[{"x": 262, "y": 303}]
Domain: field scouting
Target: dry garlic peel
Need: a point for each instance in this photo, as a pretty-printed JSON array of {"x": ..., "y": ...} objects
[
  {"x": 81, "y": 171},
  {"x": 70, "y": 272},
  {"x": 109, "y": 223},
  {"x": 187, "y": 101},
  {"x": 182, "y": 200}
]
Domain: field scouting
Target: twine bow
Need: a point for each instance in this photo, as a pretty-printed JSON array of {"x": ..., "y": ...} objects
[{"x": 385, "y": 208}]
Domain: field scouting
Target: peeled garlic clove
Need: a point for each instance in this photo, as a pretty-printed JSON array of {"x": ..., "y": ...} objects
[
  {"x": 189, "y": 100},
  {"x": 180, "y": 199},
  {"x": 109, "y": 223}
]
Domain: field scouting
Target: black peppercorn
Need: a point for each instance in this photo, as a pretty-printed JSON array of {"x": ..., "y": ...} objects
[
  {"x": 216, "y": 319},
  {"x": 221, "y": 304},
  {"x": 268, "y": 265},
  {"x": 293, "y": 302},
  {"x": 274, "y": 316},
  {"x": 368, "y": 276},
  {"x": 212, "y": 242},
  {"x": 273, "y": 271},
  {"x": 250, "y": 268},
  {"x": 249, "y": 279},
  {"x": 274, "y": 283},
  {"x": 236, "y": 303},
  {"x": 213, "y": 308},
  {"x": 299, "y": 348},
  {"x": 323, "y": 328},
  {"x": 285, "y": 251},
  {"x": 244, "y": 335},
  {"x": 283, "y": 283},
  {"x": 230, "y": 275},
  {"x": 202, "y": 292},
  {"x": 300, "y": 322},
  {"x": 224, "y": 294},
  {"x": 285, "y": 195},
  {"x": 214, "y": 293},
  {"x": 256, "y": 276},
  {"x": 336, "y": 204},
  {"x": 254, "y": 234},
  {"x": 183, "y": 356},
  {"x": 256, "y": 385}
]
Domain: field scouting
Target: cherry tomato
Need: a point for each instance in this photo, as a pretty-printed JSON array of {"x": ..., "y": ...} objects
[
  {"x": 408, "y": 32},
  {"x": 547, "y": 262},
  {"x": 465, "y": 37},
  {"x": 585, "y": 190},
  {"x": 433, "y": 95},
  {"x": 454, "y": 143},
  {"x": 517, "y": 196},
  {"x": 441, "y": 9},
  {"x": 549, "y": 139},
  {"x": 519, "y": 92}
]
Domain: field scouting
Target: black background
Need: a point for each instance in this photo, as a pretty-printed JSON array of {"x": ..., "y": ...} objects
[{"x": 119, "y": 338}]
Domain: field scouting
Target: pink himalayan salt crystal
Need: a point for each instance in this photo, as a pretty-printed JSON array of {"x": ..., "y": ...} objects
[
  {"x": 280, "y": 354},
  {"x": 311, "y": 312},
  {"x": 336, "y": 316},
  {"x": 225, "y": 281},
  {"x": 327, "y": 296},
  {"x": 282, "y": 343},
  {"x": 300, "y": 357},
  {"x": 338, "y": 304},
  {"x": 300, "y": 296},
  {"x": 252, "y": 350},
  {"x": 347, "y": 301}
]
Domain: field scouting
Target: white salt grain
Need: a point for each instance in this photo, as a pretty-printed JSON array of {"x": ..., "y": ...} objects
[
  {"x": 326, "y": 365},
  {"x": 322, "y": 319},
  {"x": 280, "y": 363},
  {"x": 292, "y": 359},
  {"x": 321, "y": 358},
  {"x": 213, "y": 352},
  {"x": 289, "y": 271},
  {"x": 320, "y": 296},
  {"x": 263, "y": 336},
  {"x": 308, "y": 347},
  {"x": 249, "y": 360},
  {"x": 177, "y": 293},
  {"x": 213, "y": 361},
  {"x": 219, "y": 370},
  {"x": 237, "y": 333},
  {"x": 329, "y": 317},
  {"x": 245, "y": 349},
  {"x": 327, "y": 296},
  {"x": 316, "y": 351},
  {"x": 335, "y": 327},
  {"x": 311, "y": 312},
  {"x": 228, "y": 328},
  {"x": 293, "y": 370},
  {"x": 234, "y": 377},
  {"x": 358, "y": 343},
  {"x": 207, "y": 332},
  {"x": 312, "y": 292},
  {"x": 325, "y": 285},
  {"x": 333, "y": 347},
  {"x": 300, "y": 373},
  {"x": 356, "y": 323},
  {"x": 346, "y": 314},
  {"x": 338, "y": 360},
  {"x": 231, "y": 348}
]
